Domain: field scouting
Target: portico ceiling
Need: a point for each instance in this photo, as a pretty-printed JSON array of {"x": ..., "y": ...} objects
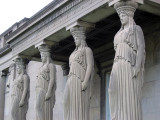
[{"x": 101, "y": 39}]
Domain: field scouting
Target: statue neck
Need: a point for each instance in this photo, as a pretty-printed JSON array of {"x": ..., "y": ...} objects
[{"x": 126, "y": 26}]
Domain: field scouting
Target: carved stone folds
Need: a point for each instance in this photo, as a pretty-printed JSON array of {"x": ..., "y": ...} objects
[
  {"x": 45, "y": 86},
  {"x": 126, "y": 78},
  {"x": 81, "y": 62},
  {"x": 20, "y": 92}
]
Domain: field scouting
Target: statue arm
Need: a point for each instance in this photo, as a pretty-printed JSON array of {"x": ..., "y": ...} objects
[
  {"x": 90, "y": 65},
  {"x": 52, "y": 80},
  {"x": 141, "y": 49},
  {"x": 25, "y": 90}
]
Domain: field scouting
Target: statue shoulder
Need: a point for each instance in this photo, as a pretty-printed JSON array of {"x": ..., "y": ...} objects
[
  {"x": 138, "y": 28},
  {"x": 88, "y": 50},
  {"x": 52, "y": 66}
]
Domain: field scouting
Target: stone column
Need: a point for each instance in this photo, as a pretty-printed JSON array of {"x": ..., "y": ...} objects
[
  {"x": 65, "y": 68},
  {"x": 2, "y": 93},
  {"x": 126, "y": 81},
  {"x": 103, "y": 96},
  {"x": 45, "y": 101},
  {"x": 77, "y": 90},
  {"x": 11, "y": 75}
]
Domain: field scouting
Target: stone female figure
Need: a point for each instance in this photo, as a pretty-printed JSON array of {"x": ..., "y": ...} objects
[
  {"x": 77, "y": 90},
  {"x": 20, "y": 93},
  {"x": 127, "y": 72},
  {"x": 45, "y": 86}
]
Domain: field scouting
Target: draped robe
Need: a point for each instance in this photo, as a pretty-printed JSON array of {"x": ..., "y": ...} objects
[
  {"x": 42, "y": 85},
  {"x": 124, "y": 89},
  {"x": 76, "y": 101}
]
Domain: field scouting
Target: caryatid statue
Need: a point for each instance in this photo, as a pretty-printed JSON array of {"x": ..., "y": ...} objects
[
  {"x": 45, "y": 86},
  {"x": 77, "y": 90},
  {"x": 126, "y": 78},
  {"x": 20, "y": 90}
]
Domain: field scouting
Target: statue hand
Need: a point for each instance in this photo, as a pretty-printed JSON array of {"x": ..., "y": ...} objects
[
  {"x": 48, "y": 96},
  {"x": 84, "y": 86},
  {"x": 135, "y": 71},
  {"x": 21, "y": 103}
]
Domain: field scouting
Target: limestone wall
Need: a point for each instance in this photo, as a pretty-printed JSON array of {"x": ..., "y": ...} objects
[{"x": 151, "y": 88}]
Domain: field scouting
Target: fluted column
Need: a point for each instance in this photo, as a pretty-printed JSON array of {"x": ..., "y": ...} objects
[{"x": 2, "y": 93}]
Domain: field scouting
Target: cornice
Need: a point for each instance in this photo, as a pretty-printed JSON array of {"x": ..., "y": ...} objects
[
  {"x": 5, "y": 50},
  {"x": 42, "y": 23},
  {"x": 36, "y": 18}
]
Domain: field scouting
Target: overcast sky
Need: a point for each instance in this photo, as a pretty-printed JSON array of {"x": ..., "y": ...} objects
[{"x": 12, "y": 11}]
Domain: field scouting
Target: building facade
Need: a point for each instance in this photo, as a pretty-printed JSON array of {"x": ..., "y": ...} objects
[{"x": 50, "y": 26}]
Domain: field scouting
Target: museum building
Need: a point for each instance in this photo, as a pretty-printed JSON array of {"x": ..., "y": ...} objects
[{"x": 49, "y": 37}]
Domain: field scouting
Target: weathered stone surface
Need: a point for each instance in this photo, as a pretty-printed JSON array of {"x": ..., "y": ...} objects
[
  {"x": 9, "y": 82},
  {"x": 126, "y": 81},
  {"x": 2, "y": 93},
  {"x": 51, "y": 28},
  {"x": 20, "y": 92},
  {"x": 151, "y": 89},
  {"x": 78, "y": 88},
  {"x": 45, "y": 86}
]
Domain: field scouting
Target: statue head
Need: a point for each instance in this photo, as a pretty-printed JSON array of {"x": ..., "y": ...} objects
[
  {"x": 45, "y": 53},
  {"x": 79, "y": 36},
  {"x": 126, "y": 10},
  {"x": 20, "y": 66}
]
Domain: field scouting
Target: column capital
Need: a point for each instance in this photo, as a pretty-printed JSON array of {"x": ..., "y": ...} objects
[
  {"x": 45, "y": 51},
  {"x": 112, "y": 2},
  {"x": 45, "y": 42},
  {"x": 23, "y": 58},
  {"x": 44, "y": 48},
  {"x": 40, "y": 44},
  {"x": 79, "y": 23}
]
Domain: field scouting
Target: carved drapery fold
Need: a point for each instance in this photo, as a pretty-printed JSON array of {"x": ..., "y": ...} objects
[
  {"x": 126, "y": 81},
  {"x": 19, "y": 91},
  {"x": 77, "y": 90},
  {"x": 45, "y": 85}
]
